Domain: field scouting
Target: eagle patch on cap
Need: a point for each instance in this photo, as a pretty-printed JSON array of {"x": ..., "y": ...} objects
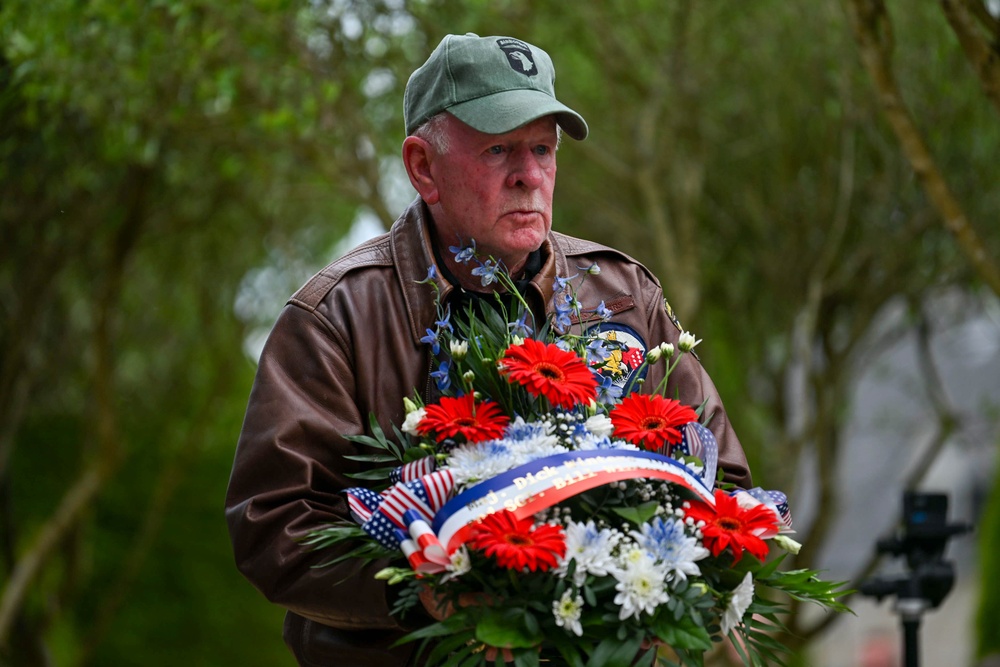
[
  {"x": 627, "y": 351},
  {"x": 518, "y": 55}
]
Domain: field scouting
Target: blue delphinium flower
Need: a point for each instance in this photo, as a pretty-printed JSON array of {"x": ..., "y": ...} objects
[
  {"x": 487, "y": 272},
  {"x": 442, "y": 375},
  {"x": 431, "y": 275},
  {"x": 444, "y": 324},
  {"x": 607, "y": 391},
  {"x": 521, "y": 327},
  {"x": 463, "y": 253},
  {"x": 432, "y": 339},
  {"x": 603, "y": 312},
  {"x": 563, "y": 306},
  {"x": 561, "y": 283},
  {"x": 597, "y": 352}
]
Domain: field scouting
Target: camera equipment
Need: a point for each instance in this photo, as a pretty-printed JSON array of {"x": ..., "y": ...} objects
[{"x": 921, "y": 539}]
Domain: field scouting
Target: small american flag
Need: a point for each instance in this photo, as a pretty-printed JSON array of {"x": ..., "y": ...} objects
[{"x": 382, "y": 515}]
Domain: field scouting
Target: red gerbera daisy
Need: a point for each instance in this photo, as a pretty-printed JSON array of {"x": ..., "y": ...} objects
[
  {"x": 730, "y": 525},
  {"x": 546, "y": 370},
  {"x": 517, "y": 544},
  {"x": 650, "y": 421},
  {"x": 465, "y": 417}
]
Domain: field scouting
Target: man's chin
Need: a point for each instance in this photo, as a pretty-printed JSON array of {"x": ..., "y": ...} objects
[{"x": 526, "y": 239}]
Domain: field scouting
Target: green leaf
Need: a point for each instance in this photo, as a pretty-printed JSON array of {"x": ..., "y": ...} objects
[
  {"x": 531, "y": 624},
  {"x": 639, "y": 514},
  {"x": 445, "y": 647},
  {"x": 374, "y": 474},
  {"x": 451, "y": 625},
  {"x": 371, "y": 458},
  {"x": 616, "y": 653},
  {"x": 770, "y": 567},
  {"x": 647, "y": 659},
  {"x": 506, "y": 628},
  {"x": 526, "y": 658},
  {"x": 682, "y": 634},
  {"x": 589, "y": 596}
]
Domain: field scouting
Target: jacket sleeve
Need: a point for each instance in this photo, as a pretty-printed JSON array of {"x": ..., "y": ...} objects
[
  {"x": 691, "y": 383},
  {"x": 288, "y": 473}
]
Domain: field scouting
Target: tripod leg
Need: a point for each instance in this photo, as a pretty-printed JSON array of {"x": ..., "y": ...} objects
[{"x": 911, "y": 642}]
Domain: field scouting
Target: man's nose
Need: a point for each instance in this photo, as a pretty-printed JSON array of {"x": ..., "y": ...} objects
[{"x": 525, "y": 171}]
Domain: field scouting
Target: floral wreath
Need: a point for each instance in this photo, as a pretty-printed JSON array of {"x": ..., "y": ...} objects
[{"x": 554, "y": 514}]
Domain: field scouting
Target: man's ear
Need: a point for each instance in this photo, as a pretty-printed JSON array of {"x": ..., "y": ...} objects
[{"x": 417, "y": 156}]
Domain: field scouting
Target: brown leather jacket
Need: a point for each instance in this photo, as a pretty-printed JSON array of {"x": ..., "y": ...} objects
[{"x": 347, "y": 345}]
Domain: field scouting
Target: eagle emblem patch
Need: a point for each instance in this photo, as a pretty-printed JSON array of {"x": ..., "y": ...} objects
[{"x": 518, "y": 55}]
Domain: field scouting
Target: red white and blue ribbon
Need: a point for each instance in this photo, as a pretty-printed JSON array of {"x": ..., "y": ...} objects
[
  {"x": 400, "y": 517},
  {"x": 419, "y": 515},
  {"x": 413, "y": 470},
  {"x": 547, "y": 481},
  {"x": 696, "y": 440},
  {"x": 776, "y": 501}
]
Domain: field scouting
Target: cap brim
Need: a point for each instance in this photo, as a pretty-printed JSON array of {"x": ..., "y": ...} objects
[{"x": 510, "y": 109}]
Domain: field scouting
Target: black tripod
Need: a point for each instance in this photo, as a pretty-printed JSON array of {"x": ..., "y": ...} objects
[{"x": 922, "y": 539}]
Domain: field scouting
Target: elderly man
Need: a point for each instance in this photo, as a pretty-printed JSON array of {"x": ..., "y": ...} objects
[{"x": 483, "y": 126}]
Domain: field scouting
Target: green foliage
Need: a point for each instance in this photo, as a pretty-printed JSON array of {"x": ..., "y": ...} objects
[{"x": 142, "y": 172}]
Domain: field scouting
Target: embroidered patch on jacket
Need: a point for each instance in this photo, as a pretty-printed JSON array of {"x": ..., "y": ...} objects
[
  {"x": 519, "y": 55},
  {"x": 626, "y": 351}
]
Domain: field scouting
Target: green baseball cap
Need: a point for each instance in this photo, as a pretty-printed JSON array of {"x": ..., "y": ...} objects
[{"x": 492, "y": 84}]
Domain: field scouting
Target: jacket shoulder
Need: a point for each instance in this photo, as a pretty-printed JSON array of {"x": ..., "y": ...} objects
[
  {"x": 571, "y": 246},
  {"x": 375, "y": 252}
]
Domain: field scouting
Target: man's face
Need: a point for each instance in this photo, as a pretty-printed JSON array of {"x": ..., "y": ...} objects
[{"x": 496, "y": 188}]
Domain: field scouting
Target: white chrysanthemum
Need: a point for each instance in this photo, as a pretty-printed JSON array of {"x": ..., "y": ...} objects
[
  {"x": 632, "y": 554},
  {"x": 529, "y": 441},
  {"x": 459, "y": 565},
  {"x": 526, "y": 451},
  {"x": 412, "y": 419},
  {"x": 591, "y": 549},
  {"x": 738, "y": 604},
  {"x": 589, "y": 441},
  {"x": 600, "y": 425},
  {"x": 567, "y": 611},
  {"x": 483, "y": 460},
  {"x": 666, "y": 541},
  {"x": 640, "y": 585}
]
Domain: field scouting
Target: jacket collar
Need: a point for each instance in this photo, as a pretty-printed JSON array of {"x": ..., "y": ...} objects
[{"x": 411, "y": 238}]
